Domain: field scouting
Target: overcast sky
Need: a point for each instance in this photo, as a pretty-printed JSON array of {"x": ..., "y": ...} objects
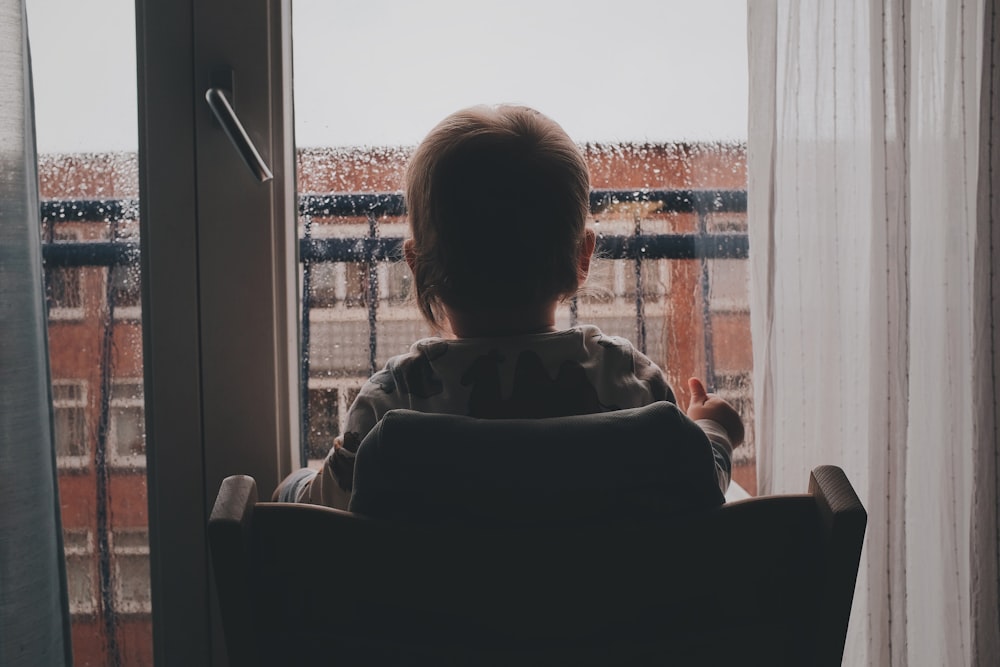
[{"x": 383, "y": 72}]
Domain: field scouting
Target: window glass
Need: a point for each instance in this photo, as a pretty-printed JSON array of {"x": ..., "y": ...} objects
[
  {"x": 131, "y": 559},
  {"x": 83, "y": 61},
  {"x": 661, "y": 119},
  {"x": 63, "y": 289},
  {"x": 324, "y": 418},
  {"x": 80, "y": 573},
  {"x": 127, "y": 432},
  {"x": 69, "y": 412}
]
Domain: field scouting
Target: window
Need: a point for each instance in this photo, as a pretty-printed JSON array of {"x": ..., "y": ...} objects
[
  {"x": 81, "y": 574},
  {"x": 666, "y": 171},
  {"x": 349, "y": 329},
  {"x": 127, "y": 432},
  {"x": 69, "y": 416},
  {"x": 125, "y": 280},
  {"x": 131, "y": 567},
  {"x": 64, "y": 284},
  {"x": 347, "y": 284},
  {"x": 327, "y": 285}
]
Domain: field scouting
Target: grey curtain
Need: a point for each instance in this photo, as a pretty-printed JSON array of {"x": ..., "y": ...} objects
[{"x": 34, "y": 614}]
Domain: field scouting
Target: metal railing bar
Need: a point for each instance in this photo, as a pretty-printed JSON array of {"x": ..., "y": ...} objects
[
  {"x": 304, "y": 341},
  {"x": 367, "y": 249},
  {"x": 706, "y": 310},
  {"x": 673, "y": 246},
  {"x": 640, "y": 309},
  {"x": 108, "y": 611},
  {"x": 674, "y": 201},
  {"x": 372, "y": 268},
  {"x": 90, "y": 253},
  {"x": 348, "y": 204},
  {"x": 648, "y": 246},
  {"x": 391, "y": 204},
  {"x": 89, "y": 210}
]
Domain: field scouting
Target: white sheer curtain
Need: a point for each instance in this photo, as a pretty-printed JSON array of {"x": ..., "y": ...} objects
[
  {"x": 874, "y": 241},
  {"x": 34, "y": 616}
]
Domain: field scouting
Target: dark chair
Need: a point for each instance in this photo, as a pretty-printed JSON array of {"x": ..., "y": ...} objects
[{"x": 765, "y": 581}]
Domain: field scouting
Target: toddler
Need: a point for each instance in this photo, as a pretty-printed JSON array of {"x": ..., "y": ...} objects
[{"x": 497, "y": 200}]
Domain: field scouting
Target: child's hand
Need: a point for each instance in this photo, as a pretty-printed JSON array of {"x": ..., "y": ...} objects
[{"x": 710, "y": 406}]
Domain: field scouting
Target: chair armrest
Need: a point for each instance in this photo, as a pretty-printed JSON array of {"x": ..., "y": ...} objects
[
  {"x": 843, "y": 520},
  {"x": 234, "y": 504},
  {"x": 833, "y": 491},
  {"x": 228, "y": 538}
]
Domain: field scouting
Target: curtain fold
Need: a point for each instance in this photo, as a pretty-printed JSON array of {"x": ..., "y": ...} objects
[
  {"x": 985, "y": 528},
  {"x": 872, "y": 169},
  {"x": 34, "y": 616}
]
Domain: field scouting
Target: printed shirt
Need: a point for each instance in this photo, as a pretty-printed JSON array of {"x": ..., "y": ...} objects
[{"x": 570, "y": 372}]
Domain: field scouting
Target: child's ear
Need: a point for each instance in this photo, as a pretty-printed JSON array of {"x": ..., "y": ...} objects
[
  {"x": 409, "y": 254},
  {"x": 586, "y": 254}
]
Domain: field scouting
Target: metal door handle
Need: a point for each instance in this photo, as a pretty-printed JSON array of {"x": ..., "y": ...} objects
[{"x": 223, "y": 110}]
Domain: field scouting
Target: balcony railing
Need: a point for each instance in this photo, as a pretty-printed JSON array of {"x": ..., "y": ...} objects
[{"x": 371, "y": 248}]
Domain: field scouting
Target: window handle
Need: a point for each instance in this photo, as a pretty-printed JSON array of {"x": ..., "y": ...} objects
[{"x": 223, "y": 111}]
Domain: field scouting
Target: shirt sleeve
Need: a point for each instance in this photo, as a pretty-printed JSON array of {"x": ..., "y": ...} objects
[
  {"x": 652, "y": 376},
  {"x": 331, "y": 485},
  {"x": 722, "y": 450}
]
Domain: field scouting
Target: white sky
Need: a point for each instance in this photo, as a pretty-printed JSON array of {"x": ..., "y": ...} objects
[{"x": 383, "y": 72}]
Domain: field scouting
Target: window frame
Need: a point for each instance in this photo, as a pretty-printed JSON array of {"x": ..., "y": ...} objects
[{"x": 209, "y": 411}]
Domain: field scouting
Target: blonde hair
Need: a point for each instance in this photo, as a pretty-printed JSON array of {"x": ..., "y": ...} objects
[{"x": 497, "y": 199}]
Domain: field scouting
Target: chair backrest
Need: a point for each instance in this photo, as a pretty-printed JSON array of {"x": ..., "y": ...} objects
[
  {"x": 768, "y": 580},
  {"x": 640, "y": 462}
]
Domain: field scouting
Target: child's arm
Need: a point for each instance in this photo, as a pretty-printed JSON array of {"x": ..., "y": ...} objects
[
  {"x": 323, "y": 486},
  {"x": 331, "y": 484},
  {"x": 721, "y": 423}
]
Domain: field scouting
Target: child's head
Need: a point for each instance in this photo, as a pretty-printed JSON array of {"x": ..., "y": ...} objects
[{"x": 497, "y": 199}]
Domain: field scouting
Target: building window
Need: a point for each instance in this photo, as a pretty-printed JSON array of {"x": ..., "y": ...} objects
[
  {"x": 729, "y": 280},
  {"x": 126, "y": 283},
  {"x": 126, "y": 291},
  {"x": 397, "y": 282},
  {"x": 131, "y": 571},
  {"x": 69, "y": 417},
  {"x": 357, "y": 277},
  {"x": 127, "y": 430},
  {"x": 327, "y": 284},
  {"x": 64, "y": 284},
  {"x": 78, "y": 545}
]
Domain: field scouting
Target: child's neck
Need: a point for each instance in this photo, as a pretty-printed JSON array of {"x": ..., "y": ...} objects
[{"x": 502, "y": 322}]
